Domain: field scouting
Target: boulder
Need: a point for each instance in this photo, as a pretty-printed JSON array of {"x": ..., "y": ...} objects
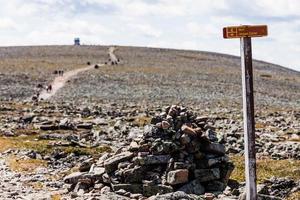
[
  {"x": 204, "y": 175},
  {"x": 215, "y": 148},
  {"x": 178, "y": 176},
  {"x": 132, "y": 188},
  {"x": 134, "y": 175},
  {"x": 193, "y": 187},
  {"x": 111, "y": 164},
  {"x": 150, "y": 190},
  {"x": 154, "y": 159},
  {"x": 74, "y": 177}
]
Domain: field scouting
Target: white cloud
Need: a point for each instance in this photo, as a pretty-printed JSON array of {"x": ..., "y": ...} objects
[
  {"x": 279, "y": 8},
  {"x": 146, "y": 30},
  {"x": 7, "y": 24}
]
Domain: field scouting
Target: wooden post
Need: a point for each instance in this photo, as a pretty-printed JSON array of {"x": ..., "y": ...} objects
[{"x": 249, "y": 124}]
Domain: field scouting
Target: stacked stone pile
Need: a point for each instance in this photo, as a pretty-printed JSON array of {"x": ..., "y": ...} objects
[{"x": 178, "y": 152}]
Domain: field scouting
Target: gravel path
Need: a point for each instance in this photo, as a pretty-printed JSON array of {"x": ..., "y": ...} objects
[{"x": 60, "y": 81}]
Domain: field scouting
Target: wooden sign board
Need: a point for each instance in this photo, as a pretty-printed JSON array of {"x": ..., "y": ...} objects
[{"x": 245, "y": 31}]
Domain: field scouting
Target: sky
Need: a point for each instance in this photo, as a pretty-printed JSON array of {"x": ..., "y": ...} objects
[{"x": 180, "y": 24}]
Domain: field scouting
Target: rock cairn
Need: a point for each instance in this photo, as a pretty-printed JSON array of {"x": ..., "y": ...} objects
[{"x": 178, "y": 152}]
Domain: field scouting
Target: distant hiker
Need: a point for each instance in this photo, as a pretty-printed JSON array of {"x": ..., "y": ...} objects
[
  {"x": 40, "y": 86},
  {"x": 62, "y": 72},
  {"x": 49, "y": 88},
  {"x": 55, "y": 72},
  {"x": 34, "y": 98}
]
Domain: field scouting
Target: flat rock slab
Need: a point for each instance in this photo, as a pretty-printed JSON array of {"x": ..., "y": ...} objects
[
  {"x": 132, "y": 188},
  {"x": 154, "y": 159},
  {"x": 85, "y": 126},
  {"x": 48, "y": 127},
  {"x": 150, "y": 190},
  {"x": 111, "y": 164},
  {"x": 74, "y": 177}
]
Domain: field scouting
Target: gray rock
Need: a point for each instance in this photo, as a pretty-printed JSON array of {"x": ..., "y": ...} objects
[
  {"x": 74, "y": 177},
  {"x": 193, "y": 187},
  {"x": 134, "y": 175},
  {"x": 215, "y": 148},
  {"x": 132, "y": 188},
  {"x": 225, "y": 171},
  {"x": 111, "y": 164},
  {"x": 66, "y": 124},
  {"x": 85, "y": 126},
  {"x": 112, "y": 196},
  {"x": 179, "y": 195},
  {"x": 97, "y": 172},
  {"x": 214, "y": 161},
  {"x": 213, "y": 186},
  {"x": 204, "y": 175},
  {"x": 105, "y": 190},
  {"x": 86, "y": 165},
  {"x": 28, "y": 118},
  {"x": 150, "y": 190},
  {"x": 154, "y": 159},
  {"x": 48, "y": 127}
]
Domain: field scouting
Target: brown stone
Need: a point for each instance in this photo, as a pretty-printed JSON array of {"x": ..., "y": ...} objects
[
  {"x": 185, "y": 139},
  {"x": 165, "y": 125},
  {"x": 178, "y": 176},
  {"x": 188, "y": 130}
]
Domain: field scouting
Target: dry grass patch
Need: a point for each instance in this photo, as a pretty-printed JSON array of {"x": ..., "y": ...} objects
[
  {"x": 142, "y": 121},
  {"x": 36, "y": 185},
  {"x": 24, "y": 165},
  {"x": 86, "y": 151},
  {"x": 267, "y": 168},
  {"x": 24, "y": 142},
  {"x": 56, "y": 197},
  {"x": 294, "y": 196},
  {"x": 134, "y": 69},
  {"x": 43, "y": 147}
]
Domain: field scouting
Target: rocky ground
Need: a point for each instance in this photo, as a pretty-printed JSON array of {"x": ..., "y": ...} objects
[
  {"x": 68, "y": 138},
  {"x": 143, "y": 74},
  {"x": 109, "y": 133}
]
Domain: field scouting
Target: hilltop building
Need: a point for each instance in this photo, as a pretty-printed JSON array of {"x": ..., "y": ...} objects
[{"x": 77, "y": 41}]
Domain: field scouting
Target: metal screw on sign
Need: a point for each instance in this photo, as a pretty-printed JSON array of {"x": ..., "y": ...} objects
[{"x": 245, "y": 33}]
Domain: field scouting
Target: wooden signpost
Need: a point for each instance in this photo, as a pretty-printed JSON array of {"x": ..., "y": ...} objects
[{"x": 245, "y": 33}]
